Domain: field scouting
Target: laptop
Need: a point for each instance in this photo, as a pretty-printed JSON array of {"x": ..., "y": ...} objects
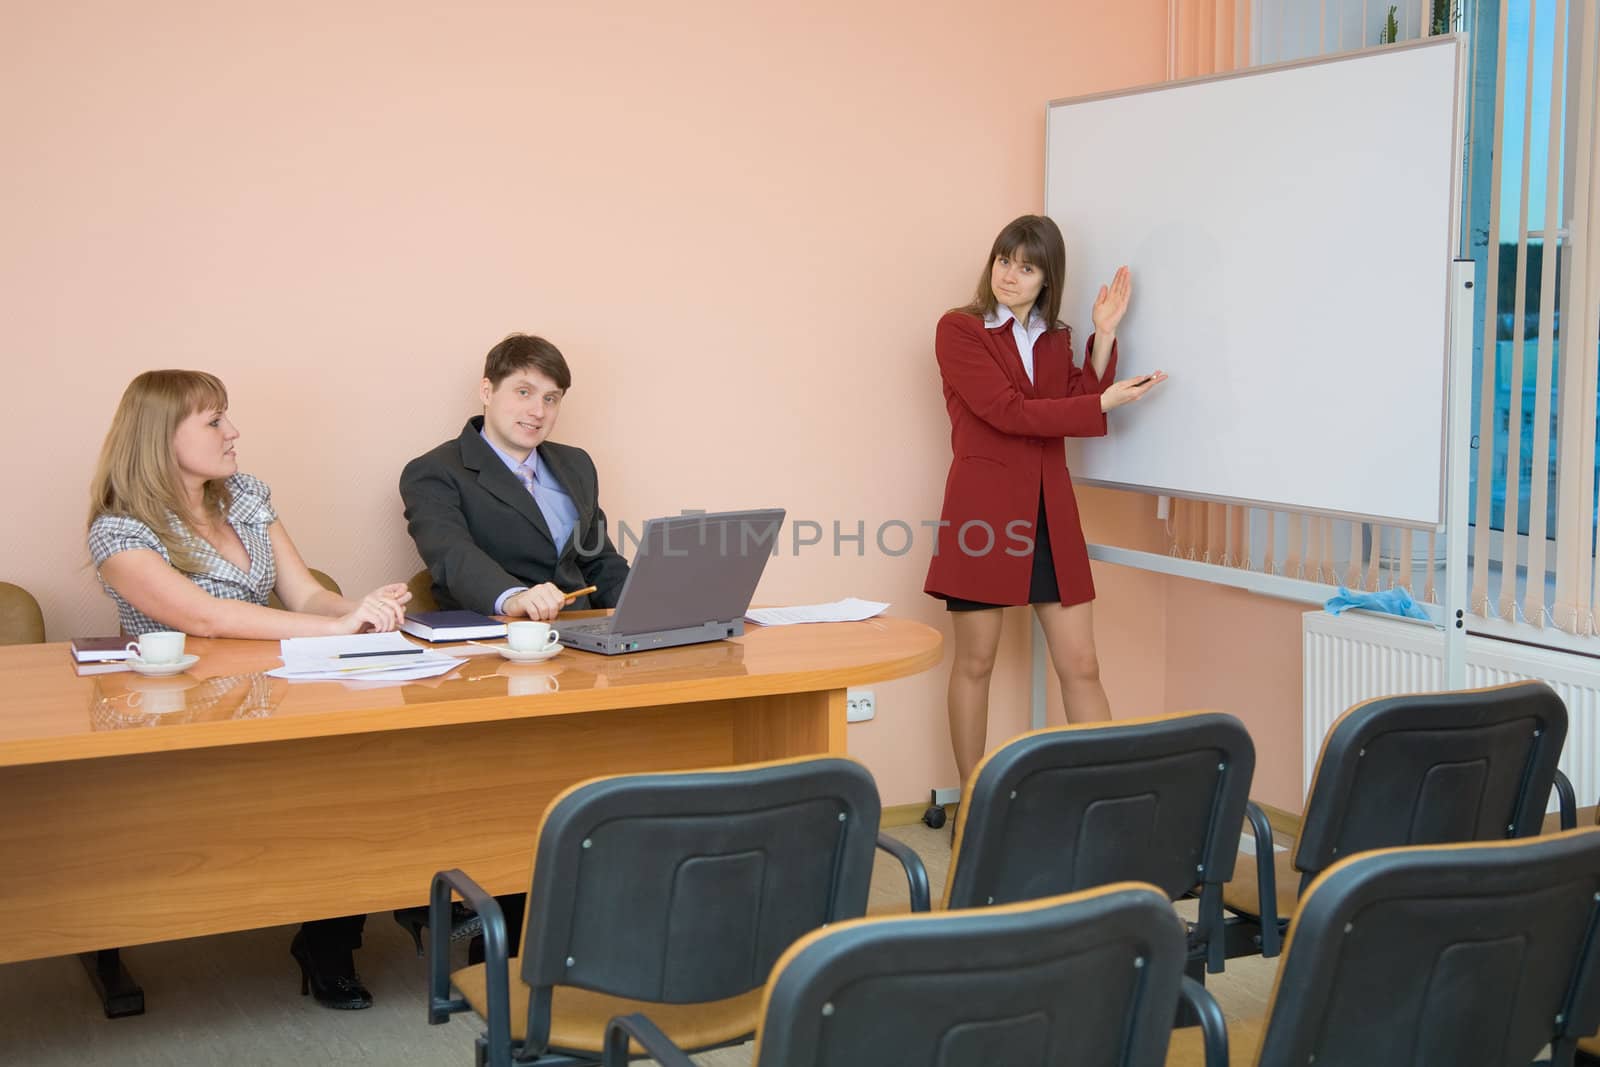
[{"x": 691, "y": 581}]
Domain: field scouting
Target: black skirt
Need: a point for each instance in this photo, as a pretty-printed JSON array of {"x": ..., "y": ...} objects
[{"x": 1042, "y": 585}]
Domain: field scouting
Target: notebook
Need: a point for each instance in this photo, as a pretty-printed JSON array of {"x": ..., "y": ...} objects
[
  {"x": 452, "y": 626},
  {"x": 100, "y": 649}
]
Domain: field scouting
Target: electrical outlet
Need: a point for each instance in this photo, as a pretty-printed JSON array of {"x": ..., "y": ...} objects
[{"x": 860, "y": 705}]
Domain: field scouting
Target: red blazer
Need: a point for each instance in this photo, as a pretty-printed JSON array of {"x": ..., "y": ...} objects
[{"x": 1006, "y": 438}]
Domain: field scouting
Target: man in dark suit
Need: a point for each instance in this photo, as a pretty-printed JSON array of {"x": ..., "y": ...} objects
[{"x": 506, "y": 520}]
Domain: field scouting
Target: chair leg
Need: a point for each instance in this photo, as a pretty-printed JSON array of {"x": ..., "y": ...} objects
[{"x": 1194, "y": 967}]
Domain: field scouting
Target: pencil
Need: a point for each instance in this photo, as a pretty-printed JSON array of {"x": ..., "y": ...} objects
[
  {"x": 585, "y": 591},
  {"x": 382, "y": 652}
]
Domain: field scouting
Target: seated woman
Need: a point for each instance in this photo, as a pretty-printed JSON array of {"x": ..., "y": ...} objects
[{"x": 183, "y": 541}]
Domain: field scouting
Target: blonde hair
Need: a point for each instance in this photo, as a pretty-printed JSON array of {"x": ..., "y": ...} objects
[{"x": 137, "y": 474}]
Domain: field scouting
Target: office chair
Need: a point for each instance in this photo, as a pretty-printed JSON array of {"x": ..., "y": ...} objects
[
  {"x": 1589, "y": 1047},
  {"x": 421, "y": 586},
  {"x": 1473, "y": 955},
  {"x": 667, "y": 893},
  {"x": 1157, "y": 800},
  {"x": 21, "y": 621},
  {"x": 1089, "y": 977},
  {"x": 1419, "y": 769}
]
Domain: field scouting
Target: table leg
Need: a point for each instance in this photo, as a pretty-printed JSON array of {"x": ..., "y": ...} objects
[{"x": 118, "y": 992}]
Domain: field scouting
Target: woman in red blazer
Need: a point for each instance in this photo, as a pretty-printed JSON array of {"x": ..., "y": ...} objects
[{"x": 1009, "y": 532}]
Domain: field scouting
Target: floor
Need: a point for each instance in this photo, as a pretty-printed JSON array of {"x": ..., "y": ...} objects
[{"x": 235, "y": 999}]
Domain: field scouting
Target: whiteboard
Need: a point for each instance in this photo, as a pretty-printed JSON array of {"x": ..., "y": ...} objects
[{"x": 1290, "y": 232}]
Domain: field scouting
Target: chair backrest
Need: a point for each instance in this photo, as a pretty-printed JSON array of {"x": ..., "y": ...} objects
[
  {"x": 1433, "y": 768},
  {"x": 422, "y": 598},
  {"x": 323, "y": 579},
  {"x": 21, "y": 621},
  {"x": 1472, "y": 954},
  {"x": 1090, "y": 977},
  {"x": 687, "y": 887},
  {"x": 1157, "y": 800}
]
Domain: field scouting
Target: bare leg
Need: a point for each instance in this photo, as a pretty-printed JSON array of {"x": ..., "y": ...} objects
[
  {"x": 1069, "y": 633},
  {"x": 977, "y": 639}
]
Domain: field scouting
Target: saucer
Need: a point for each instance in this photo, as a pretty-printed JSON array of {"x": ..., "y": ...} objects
[
  {"x": 161, "y": 670},
  {"x": 536, "y": 656}
]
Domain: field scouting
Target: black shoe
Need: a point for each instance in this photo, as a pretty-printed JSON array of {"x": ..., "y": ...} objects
[
  {"x": 338, "y": 987},
  {"x": 464, "y": 924}
]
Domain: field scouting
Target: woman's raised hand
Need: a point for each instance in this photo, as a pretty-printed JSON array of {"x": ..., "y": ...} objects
[
  {"x": 1112, "y": 303},
  {"x": 380, "y": 611},
  {"x": 1129, "y": 389}
]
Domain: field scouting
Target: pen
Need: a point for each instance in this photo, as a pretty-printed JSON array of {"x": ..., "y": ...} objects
[
  {"x": 385, "y": 652},
  {"x": 585, "y": 591}
]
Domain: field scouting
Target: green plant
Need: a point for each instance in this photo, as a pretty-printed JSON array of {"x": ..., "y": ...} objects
[
  {"x": 1391, "y": 28},
  {"x": 1443, "y": 15}
]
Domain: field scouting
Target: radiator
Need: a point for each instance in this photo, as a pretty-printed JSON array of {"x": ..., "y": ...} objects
[{"x": 1351, "y": 658}]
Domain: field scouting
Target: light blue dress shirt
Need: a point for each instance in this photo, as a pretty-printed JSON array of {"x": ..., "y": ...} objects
[{"x": 557, "y": 507}]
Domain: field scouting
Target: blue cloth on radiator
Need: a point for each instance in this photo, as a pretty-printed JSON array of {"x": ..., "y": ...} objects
[{"x": 1396, "y": 601}]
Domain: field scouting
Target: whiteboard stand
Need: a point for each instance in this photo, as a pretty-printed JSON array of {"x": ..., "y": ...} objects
[{"x": 1459, "y": 456}]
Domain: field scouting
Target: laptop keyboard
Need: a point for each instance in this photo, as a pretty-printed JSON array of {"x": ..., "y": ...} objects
[{"x": 598, "y": 627}]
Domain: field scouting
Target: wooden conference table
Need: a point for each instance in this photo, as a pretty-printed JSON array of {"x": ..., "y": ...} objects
[{"x": 142, "y": 809}]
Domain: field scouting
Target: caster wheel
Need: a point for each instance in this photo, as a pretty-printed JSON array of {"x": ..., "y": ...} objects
[{"x": 933, "y": 818}]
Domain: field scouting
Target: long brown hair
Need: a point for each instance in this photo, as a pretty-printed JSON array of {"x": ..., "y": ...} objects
[
  {"x": 137, "y": 474},
  {"x": 1033, "y": 239}
]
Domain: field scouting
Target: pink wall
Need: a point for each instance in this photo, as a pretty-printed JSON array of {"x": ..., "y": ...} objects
[
  {"x": 739, "y": 222},
  {"x": 1241, "y": 653}
]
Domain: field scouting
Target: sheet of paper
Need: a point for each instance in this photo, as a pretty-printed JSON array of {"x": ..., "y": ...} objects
[
  {"x": 850, "y": 609},
  {"x": 370, "y": 657},
  {"x": 387, "y": 672}
]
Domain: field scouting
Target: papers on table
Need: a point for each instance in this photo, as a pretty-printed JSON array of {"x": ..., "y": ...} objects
[
  {"x": 849, "y": 609},
  {"x": 364, "y": 657}
]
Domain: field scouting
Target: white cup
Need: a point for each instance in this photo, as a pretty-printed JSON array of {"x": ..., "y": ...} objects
[
  {"x": 162, "y": 646},
  {"x": 531, "y": 636}
]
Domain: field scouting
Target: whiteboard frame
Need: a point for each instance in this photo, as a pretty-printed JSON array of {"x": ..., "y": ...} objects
[
  {"x": 1457, "y": 41},
  {"x": 1447, "y": 618}
]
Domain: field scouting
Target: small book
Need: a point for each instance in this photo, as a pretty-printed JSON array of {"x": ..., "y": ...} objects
[
  {"x": 106, "y": 667},
  {"x": 452, "y": 626},
  {"x": 100, "y": 649}
]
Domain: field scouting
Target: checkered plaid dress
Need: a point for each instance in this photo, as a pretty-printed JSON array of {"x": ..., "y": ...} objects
[{"x": 250, "y": 516}]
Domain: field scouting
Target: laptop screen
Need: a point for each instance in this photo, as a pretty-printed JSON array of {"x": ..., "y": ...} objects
[{"x": 694, "y": 569}]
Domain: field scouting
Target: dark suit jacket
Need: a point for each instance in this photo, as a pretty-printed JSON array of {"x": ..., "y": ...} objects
[{"x": 480, "y": 532}]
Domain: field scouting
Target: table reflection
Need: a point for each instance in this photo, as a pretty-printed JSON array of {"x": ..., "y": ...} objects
[
  {"x": 485, "y": 676},
  {"x": 122, "y": 701},
  {"x": 714, "y": 659}
]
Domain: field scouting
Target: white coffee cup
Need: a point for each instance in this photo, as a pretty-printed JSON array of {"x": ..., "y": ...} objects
[
  {"x": 531, "y": 636},
  {"x": 161, "y": 646}
]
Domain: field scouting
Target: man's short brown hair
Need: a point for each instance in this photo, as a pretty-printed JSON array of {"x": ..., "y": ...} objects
[{"x": 523, "y": 351}]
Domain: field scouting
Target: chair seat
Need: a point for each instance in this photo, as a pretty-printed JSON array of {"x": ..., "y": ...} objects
[
  {"x": 1244, "y": 1040},
  {"x": 1243, "y": 894},
  {"x": 579, "y": 1016}
]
